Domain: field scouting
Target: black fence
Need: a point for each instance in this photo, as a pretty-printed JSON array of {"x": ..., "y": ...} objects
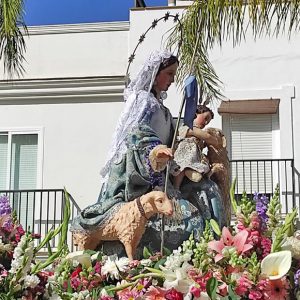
[
  {"x": 262, "y": 176},
  {"x": 41, "y": 210}
]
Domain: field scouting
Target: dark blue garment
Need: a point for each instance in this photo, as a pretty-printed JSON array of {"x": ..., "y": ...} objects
[{"x": 191, "y": 97}]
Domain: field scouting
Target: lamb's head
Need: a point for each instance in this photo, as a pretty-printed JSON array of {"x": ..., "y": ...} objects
[
  {"x": 219, "y": 135},
  {"x": 160, "y": 202}
]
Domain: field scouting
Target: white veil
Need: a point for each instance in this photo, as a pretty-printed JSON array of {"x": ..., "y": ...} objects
[{"x": 139, "y": 103}]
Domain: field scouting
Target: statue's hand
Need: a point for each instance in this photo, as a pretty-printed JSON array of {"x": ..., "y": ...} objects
[
  {"x": 164, "y": 154},
  {"x": 159, "y": 157}
]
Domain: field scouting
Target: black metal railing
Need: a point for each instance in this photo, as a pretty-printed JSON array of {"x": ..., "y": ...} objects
[
  {"x": 263, "y": 175},
  {"x": 41, "y": 210}
]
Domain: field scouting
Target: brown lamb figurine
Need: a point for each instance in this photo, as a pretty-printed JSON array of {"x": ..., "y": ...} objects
[
  {"x": 219, "y": 172},
  {"x": 128, "y": 223}
]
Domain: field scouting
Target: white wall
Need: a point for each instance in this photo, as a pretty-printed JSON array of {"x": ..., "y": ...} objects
[{"x": 76, "y": 50}]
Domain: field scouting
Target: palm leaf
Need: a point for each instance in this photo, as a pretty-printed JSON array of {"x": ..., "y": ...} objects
[
  {"x": 12, "y": 43},
  {"x": 220, "y": 20}
]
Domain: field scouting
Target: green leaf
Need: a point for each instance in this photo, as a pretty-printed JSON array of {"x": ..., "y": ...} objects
[
  {"x": 159, "y": 263},
  {"x": 146, "y": 253},
  {"x": 109, "y": 290},
  {"x": 69, "y": 289},
  {"x": 167, "y": 251},
  {"x": 231, "y": 294},
  {"x": 215, "y": 227},
  {"x": 232, "y": 198},
  {"x": 211, "y": 288}
]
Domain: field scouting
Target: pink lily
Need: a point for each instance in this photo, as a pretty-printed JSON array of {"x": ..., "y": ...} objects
[{"x": 228, "y": 241}]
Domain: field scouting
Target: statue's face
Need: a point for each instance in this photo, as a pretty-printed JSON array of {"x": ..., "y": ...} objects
[
  {"x": 202, "y": 119},
  {"x": 165, "y": 78}
]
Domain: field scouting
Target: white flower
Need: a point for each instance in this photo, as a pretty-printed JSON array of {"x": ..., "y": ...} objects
[
  {"x": 122, "y": 263},
  {"x": 203, "y": 296},
  {"x": 146, "y": 262},
  {"x": 81, "y": 257},
  {"x": 178, "y": 279},
  {"x": 5, "y": 247},
  {"x": 31, "y": 281},
  {"x": 54, "y": 297},
  {"x": 110, "y": 269},
  {"x": 276, "y": 265},
  {"x": 83, "y": 295},
  {"x": 103, "y": 293},
  {"x": 95, "y": 256}
]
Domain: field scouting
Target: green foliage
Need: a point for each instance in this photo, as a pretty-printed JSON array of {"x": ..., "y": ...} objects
[
  {"x": 146, "y": 253},
  {"x": 211, "y": 288},
  {"x": 62, "y": 248},
  {"x": 219, "y": 21},
  {"x": 215, "y": 227},
  {"x": 246, "y": 207},
  {"x": 286, "y": 229},
  {"x": 201, "y": 257},
  {"x": 253, "y": 267},
  {"x": 12, "y": 43},
  {"x": 232, "y": 197},
  {"x": 274, "y": 210}
]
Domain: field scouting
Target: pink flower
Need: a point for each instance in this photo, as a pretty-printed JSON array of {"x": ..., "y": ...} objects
[
  {"x": 277, "y": 289},
  {"x": 223, "y": 289},
  {"x": 196, "y": 291},
  {"x": 254, "y": 237},
  {"x": 134, "y": 263},
  {"x": 227, "y": 240},
  {"x": 97, "y": 267},
  {"x": 155, "y": 293},
  {"x": 172, "y": 294},
  {"x": 255, "y": 295},
  {"x": 255, "y": 220},
  {"x": 266, "y": 245},
  {"x": 200, "y": 279},
  {"x": 128, "y": 294},
  {"x": 75, "y": 283},
  {"x": 243, "y": 285}
]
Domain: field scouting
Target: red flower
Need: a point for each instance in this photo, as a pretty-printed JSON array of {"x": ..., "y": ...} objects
[
  {"x": 76, "y": 272},
  {"x": 172, "y": 294}
]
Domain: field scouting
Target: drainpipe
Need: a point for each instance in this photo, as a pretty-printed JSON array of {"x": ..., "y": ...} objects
[{"x": 171, "y": 2}]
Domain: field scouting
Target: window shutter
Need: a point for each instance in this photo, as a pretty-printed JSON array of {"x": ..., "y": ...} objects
[
  {"x": 251, "y": 136},
  {"x": 24, "y": 173},
  {"x": 251, "y": 139},
  {"x": 3, "y": 159}
]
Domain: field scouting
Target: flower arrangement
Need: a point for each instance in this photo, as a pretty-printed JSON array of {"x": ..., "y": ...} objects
[
  {"x": 257, "y": 257},
  {"x": 21, "y": 275}
]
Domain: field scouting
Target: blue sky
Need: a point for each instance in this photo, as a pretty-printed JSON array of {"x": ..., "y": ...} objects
[{"x": 47, "y": 12}]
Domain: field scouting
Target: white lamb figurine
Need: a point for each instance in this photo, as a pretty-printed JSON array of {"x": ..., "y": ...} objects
[{"x": 128, "y": 223}]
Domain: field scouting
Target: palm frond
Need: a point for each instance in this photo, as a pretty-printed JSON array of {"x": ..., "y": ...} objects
[
  {"x": 221, "y": 20},
  {"x": 12, "y": 43}
]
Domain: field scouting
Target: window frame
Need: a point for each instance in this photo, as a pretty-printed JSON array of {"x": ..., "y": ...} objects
[{"x": 40, "y": 150}]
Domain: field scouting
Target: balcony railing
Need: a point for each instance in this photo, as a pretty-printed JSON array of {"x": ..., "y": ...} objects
[
  {"x": 263, "y": 175},
  {"x": 41, "y": 210}
]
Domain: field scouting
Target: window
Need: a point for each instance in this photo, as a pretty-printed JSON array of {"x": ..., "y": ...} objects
[
  {"x": 18, "y": 160},
  {"x": 19, "y": 169},
  {"x": 251, "y": 141}
]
